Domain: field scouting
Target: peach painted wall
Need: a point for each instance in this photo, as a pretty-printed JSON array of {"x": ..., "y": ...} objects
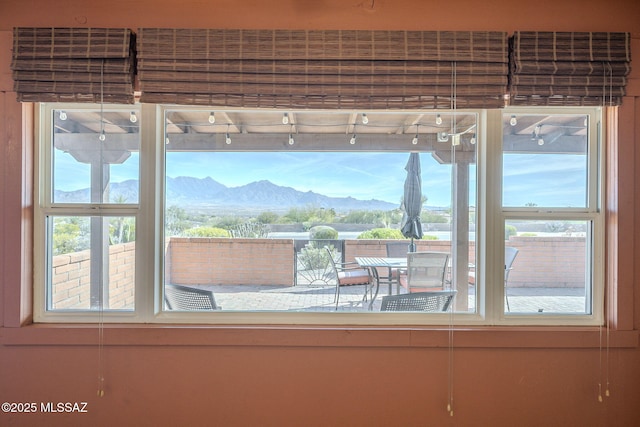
[{"x": 292, "y": 376}]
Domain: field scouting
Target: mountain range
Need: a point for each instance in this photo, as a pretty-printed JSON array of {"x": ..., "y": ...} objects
[{"x": 207, "y": 193}]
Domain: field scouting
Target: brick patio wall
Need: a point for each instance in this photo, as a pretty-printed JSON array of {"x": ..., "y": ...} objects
[
  {"x": 553, "y": 261},
  {"x": 547, "y": 261},
  {"x": 542, "y": 261},
  {"x": 71, "y": 279},
  {"x": 378, "y": 248},
  {"x": 214, "y": 261}
]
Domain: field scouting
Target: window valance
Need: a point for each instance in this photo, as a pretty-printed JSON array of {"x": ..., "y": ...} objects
[
  {"x": 323, "y": 69},
  {"x": 73, "y": 64},
  {"x": 566, "y": 68}
]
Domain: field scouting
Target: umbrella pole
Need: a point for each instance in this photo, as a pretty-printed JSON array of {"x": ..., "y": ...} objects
[{"x": 412, "y": 246}]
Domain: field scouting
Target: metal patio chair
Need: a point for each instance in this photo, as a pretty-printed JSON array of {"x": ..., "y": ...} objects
[
  {"x": 510, "y": 254},
  {"x": 425, "y": 271},
  {"x": 349, "y": 273},
  {"x": 435, "y": 301},
  {"x": 185, "y": 298}
]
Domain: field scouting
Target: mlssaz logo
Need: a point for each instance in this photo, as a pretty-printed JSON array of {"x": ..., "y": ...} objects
[{"x": 63, "y": 407}]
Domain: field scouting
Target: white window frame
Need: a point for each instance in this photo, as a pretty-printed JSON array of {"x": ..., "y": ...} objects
[
  {"x": 149, "y": 235},
  {"x": 45, "y": 207},
  {"x": 493, "y": 276}
]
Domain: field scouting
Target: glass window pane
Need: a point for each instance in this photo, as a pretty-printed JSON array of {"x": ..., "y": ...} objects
[
  {"x": 95, "y": 157},
  {"x": 91, "y": 263},
  {"x": 545, "y": 161},
  {"x": 547, "y": 267},
  {"x": 250, "y": 212}
]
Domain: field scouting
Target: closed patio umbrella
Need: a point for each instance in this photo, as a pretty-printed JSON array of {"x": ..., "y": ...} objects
[{"x": 412, "y": 202}]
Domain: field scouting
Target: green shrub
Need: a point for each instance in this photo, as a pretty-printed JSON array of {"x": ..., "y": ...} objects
[
  {"x": 308, "y": 216},
  {"x": 389, "y": 234},
  {"x": 312, "y": 257},
  {"x": 377, "y": 217},
  {"x": 267, "y": 218},
  {"x": 323, "y": 232},
  {"x": 509, "y": 231},
  {"x": 381, "y": 233},
  {"x": 250, "y": 230},
  {"x": 556, "y": 226},
  {"x": 207, "y": 232},
  {"x": 428, "y": 217}
]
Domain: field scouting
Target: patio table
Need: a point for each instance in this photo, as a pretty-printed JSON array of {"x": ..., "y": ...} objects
[{"x": 373, "y": 263}]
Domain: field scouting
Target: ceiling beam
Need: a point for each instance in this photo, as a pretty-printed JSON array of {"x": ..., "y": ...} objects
[
  {"x": 308, "y": 142},
  {"x": 556, "y": 144},
  {"x": 563, "y": 144}
]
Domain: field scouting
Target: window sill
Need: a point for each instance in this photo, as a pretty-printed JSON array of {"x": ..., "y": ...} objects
[{"x": 318, "y": 336}]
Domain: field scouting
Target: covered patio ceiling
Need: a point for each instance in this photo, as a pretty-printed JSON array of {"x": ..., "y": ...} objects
[{"x": 266, "y": 130}]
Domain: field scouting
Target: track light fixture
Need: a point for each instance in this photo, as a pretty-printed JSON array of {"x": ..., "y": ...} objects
[
  {"x": 227, "y": 137},
  {"x": 536, "y": 135}
]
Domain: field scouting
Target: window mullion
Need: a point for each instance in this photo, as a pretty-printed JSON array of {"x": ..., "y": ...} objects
[
  {"x": 494, "y": 236},
  {"x": 148, "y": 247}
]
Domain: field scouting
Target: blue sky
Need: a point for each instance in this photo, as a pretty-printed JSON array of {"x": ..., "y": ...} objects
[
  {"x": 556, "y": 180},
  {"x": 360, "y": 175},
  {"x": 546, "y": 180}
]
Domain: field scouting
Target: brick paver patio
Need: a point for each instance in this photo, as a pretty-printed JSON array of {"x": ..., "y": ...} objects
[{"x": 320, "y": 298}]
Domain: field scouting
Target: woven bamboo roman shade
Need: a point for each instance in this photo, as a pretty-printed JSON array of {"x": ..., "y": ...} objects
[
  {"x": 566, "y": 68},
  {"x": 73, "y": 64},
  {"x": 322, "y": 69}
]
